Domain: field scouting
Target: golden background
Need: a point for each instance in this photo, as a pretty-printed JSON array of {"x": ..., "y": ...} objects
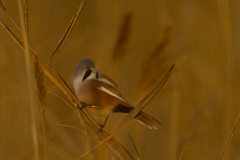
[{"x": 198, "y": 106}]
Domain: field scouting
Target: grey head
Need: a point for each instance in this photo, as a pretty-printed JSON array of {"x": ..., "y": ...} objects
[{"x": 84, "y": 67}]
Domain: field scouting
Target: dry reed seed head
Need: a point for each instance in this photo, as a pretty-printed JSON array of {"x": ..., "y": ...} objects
[
  {"x": 162, "y": 42},
  {"x": 38, "y": 73},
  {"x": 41, "y": 93},
  {"x": 157, "y": 60},
  {"x": 26, "y": 18},
  {"x": 119, "y": 50}
]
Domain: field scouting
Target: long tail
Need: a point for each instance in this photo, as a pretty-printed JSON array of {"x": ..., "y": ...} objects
[
  {"x": 148, "y": 121},
  {"x": 142, "y": 117}
]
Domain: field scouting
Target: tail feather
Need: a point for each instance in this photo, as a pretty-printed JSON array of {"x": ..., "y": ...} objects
[
  {"x": 142, "y": 117},
  {"x": 148, "y": 121}
]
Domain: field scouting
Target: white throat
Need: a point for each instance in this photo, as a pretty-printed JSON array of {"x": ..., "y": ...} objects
[{"x": 78, "y": 80}]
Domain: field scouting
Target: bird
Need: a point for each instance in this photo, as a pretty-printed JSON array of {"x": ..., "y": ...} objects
[{"x": 101, "y": 95}]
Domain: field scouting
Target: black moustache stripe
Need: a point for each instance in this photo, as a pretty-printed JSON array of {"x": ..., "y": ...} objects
[
  {"x": 97, "y": 75},
  {"x": 87, "y": 74}
]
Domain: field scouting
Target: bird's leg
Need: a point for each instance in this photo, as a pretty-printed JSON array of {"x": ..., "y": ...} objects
[
  {"x": 83, "y": 106},
  {"x": 103, "y": 125}
]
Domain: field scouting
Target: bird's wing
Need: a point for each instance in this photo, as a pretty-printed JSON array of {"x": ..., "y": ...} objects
[
  {"x": 106, "y": 79},
  {"x": 108, "y": 86}
]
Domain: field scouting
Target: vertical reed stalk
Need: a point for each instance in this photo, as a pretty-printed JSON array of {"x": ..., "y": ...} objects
[{"x": 30, "y": 83}]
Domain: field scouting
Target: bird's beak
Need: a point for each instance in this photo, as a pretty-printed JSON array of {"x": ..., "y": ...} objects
[{"x": 94, "y": 70}]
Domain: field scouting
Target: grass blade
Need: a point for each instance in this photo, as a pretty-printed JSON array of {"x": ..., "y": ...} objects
[
  {"x": 67, "y": 32},
  {"x": 83, "y": 132},
  {"x": 228, "y": 142},
  {"x": 135, "y": 147},
  {"x": 109, "y": 138},
  {"x": 5, "y": 11},
  {"x": 1, "y": 4},
  {"x": 185, "y": 145},
  {"x": 117, "y": 148}
]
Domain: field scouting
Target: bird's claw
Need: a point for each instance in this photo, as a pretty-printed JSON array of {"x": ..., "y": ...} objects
[{"x": 83, "y": 106}]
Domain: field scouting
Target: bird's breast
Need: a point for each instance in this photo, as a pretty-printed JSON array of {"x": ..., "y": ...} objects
[{"x": 101, "y": 102}]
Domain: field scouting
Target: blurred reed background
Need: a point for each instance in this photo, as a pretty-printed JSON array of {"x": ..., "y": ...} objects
[{"x": 135, "y": 43}]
